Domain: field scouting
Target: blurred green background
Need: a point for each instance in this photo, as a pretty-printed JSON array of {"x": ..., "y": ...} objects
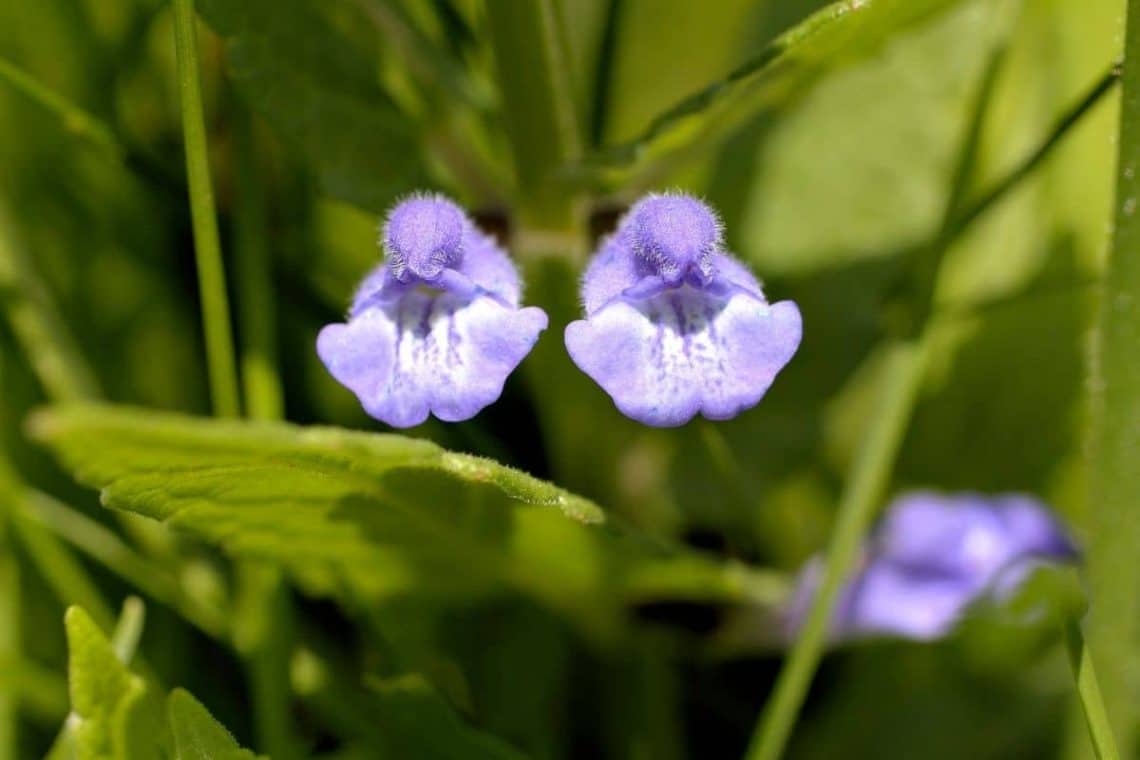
[{"x": 832, "y": 177}]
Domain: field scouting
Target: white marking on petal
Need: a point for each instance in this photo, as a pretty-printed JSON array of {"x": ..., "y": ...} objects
[
  {"x": 686, "y": 351},
  {"x": 430, "y": 353}
]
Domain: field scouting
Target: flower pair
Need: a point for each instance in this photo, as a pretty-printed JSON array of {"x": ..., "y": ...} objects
[{"x": 674, "y": 325}]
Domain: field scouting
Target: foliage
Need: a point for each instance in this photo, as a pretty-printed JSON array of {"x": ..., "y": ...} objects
[
  {"x": 117, "y": 714},
  {"x": 371, "y": 516},
  {"x": 927, "y": 179}
]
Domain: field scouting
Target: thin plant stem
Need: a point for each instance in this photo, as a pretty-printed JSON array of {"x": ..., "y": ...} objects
[
  {"x": 263, "y": 634},
  {"x": 106, "y": 548},
  {"x": 604, "y": 73},
  {"x": 41, "y": 332},
  {"x": 10, "y": 645},
  {"x": 1114, "y": 426},
  {"x": 554, "y": 43},
  {"x": 260, "y": 380},
  {"x": 64, "y": 575},
  {"x": 263, "y": 628},
  {"x": 128, "y": 630},
  {"x": 1092, "y": 705},
  {"x": 998, "y": 190},
  {"x": 75, "y": 119},
  {"x": 872, "y": 468},
  {"x": 539, "y": 113},
  {"x": 87, "y": 127},
  {"x": 436, "y": 72},
  {"x": 866, "y": 486},
  {"x": 207, "y": 246}
]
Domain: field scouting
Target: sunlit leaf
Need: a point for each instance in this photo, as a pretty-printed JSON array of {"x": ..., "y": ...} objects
[
  {"x": 861, "y": 167},
  {"x": 197, "y": 736},
  {"x": 115, "y": 713},
  {"x": 665, "y": 50},
  {"x": 836, "y": 36}
]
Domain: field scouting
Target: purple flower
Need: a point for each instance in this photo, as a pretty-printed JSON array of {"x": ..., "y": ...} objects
[
  {"x": 436, "y": 328},
  {"x": 932, "y": 557},
  {"x": 674, "y": 325}
]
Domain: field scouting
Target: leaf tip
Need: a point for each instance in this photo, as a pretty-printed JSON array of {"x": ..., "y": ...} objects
[{"x": 76, "y": 621}]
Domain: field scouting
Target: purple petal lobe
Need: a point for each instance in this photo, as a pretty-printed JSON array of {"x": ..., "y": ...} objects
[
  {"x": 932, "y": 557},
  {"x": 429, "y": 354},
  {"x": 611, "y": 272},
  {"x": 489, "y": 267},
  {"x": 969, "y": 534},
  {"x": 888, "y": 600},
  {"x": 736, "y": 274},
  {"x": 685, "y": 351}
]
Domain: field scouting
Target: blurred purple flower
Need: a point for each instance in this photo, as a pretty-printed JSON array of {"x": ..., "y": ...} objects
[
  {"x": 931, "y": 557},
  {"x": 436, "y": 328},
  {"x": 674, "y": 325}
]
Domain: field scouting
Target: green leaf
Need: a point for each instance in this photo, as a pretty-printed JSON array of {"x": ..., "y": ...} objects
[
  {"x": 862, "y": 165},
  {"x": 197, "y": 736},
  {"x": 115, "y": 714},
  {"x": 373, "y": 516},
  {"x": 838, "y": 35},
  {"x": 665, "y": 50},
  {"x": 321, "y": 92},
  {"x": 415, "y": 721}
]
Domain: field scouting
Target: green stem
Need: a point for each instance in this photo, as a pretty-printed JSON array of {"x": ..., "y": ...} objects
[
  {"x": 106, "y": 548},
  {"x": 1114, "y": 431},
  {"x": 604, "y": 73},
  {"x": 59, "y": 569},
  {"x": 128, "y": 630},
  {"x": 871, "y": 471},
  {"x": 1114, "y": 425},
  {"x": 1069, "y": 118},
  {"x": 436, "y": 73},
  {"x": 88, "y": 127},
  {"x": 37, "y": 325},
  {"x": 10, "y": 655},
  {"x": 865, "y": 489},
  {"x": 262, "y": 386},
  {"x": 207, "y": 248},
  {"x": 873, "y": 467},
  {"x": 538, "y": 108},
  {"x": 1100, "y": 732},
  {"x": 263, "y": 627},
  {"x": 263, "y": 634},
  {"x": 64, "y": 575}
]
